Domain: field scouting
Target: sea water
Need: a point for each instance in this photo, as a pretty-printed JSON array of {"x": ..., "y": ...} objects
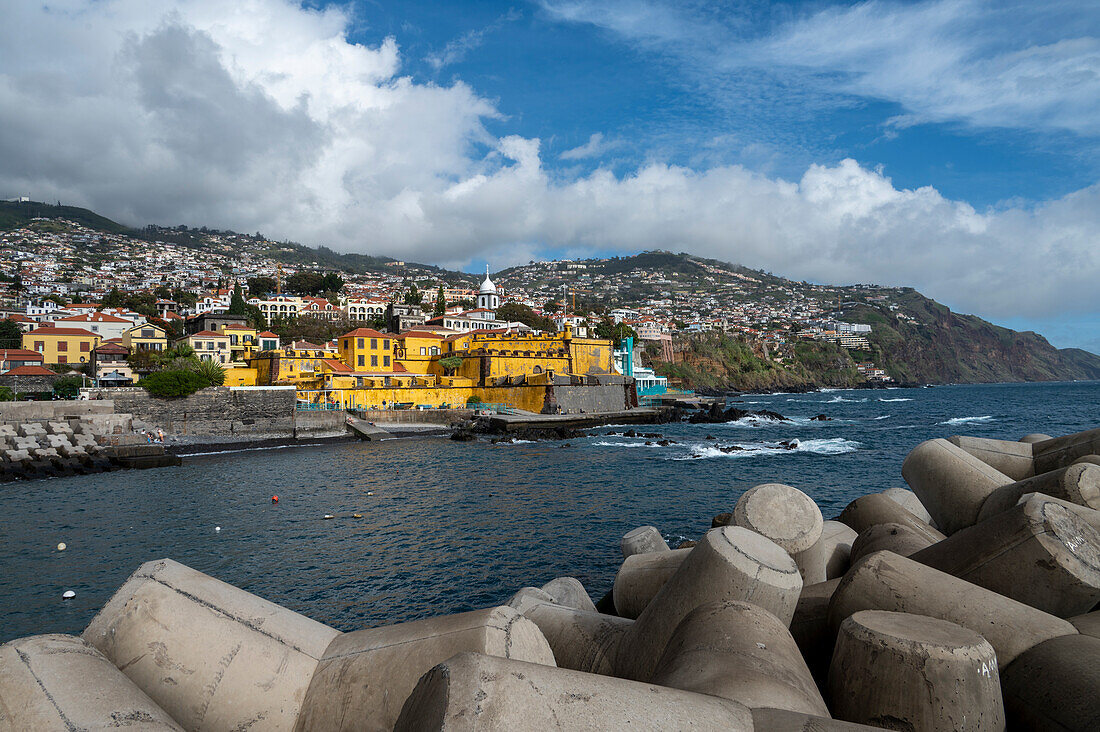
[{"x": 447, "y": 527}]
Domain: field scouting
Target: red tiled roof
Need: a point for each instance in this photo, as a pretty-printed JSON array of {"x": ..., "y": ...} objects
[
  {"x": 29, "y": 371},
  {"x": 268, "y": 334},
  {"x": 365, "y": 333},
  {"x": 19, "y": 354},
  {"x": 92, "y": 318},
  {"x": 337, "y": 365},
  {"x": 112, "y": 347},
  {"x": 206, "y": 334},
  {"x": 19, "y": 318},
  {"x": 420, "y": 334},
  {"x": 63, "y": 331}
]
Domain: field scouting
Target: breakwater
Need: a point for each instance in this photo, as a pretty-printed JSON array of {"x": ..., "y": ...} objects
[{"x": 961, "y": 604}]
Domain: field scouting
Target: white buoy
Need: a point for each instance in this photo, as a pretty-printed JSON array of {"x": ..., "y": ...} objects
[
  {"x": 329, "y": 516},
  {"x": 61, "y": 547},
  {"x": 68, "y": 595},
  {"x": 217, "y": 528},
  {"x": 370, "y": 493}
]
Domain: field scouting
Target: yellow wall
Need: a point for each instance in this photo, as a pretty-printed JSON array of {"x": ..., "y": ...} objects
[
  {"x": 367, "y": 352},
  {"x": 240, "y": 376},
  {"x": 135, "y": 341},
  {"x": 78, "y": 349},
  {"x": 528, "y": 397}
]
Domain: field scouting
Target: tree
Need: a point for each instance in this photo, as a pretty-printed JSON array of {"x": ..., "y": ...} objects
[
  {"x": 211, "y": 371},
  {"x": 10, "y": 334},
  {"x": 67, "y": 387},
  {"x": 615, "y": 332},
  {"x": 450, "y": 364},
  {"x": 237, "y": 305},
  {"x": 520, "y": 313},
  {"x": 440, "y": 303},
  {"x": 173, "y": 384},
  {"x": 260, "y": 286},
  {"x": 413, "y": 296}
]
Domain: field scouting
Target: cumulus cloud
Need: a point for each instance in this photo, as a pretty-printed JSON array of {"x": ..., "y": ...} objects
[
  {"x": 594, "y": 148},
  {"x": 265, "y": 116}
]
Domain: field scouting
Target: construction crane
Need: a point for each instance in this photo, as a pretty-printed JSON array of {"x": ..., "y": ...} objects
[{"x": 279, "y": 278}]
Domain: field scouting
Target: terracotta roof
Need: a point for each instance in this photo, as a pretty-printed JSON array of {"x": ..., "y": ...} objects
[
  {"x": 236, "y": 326},
  {"x": 63, "y": 332},
  {"x": 306, "y": 346},
  {"x": 29, "y": 371},
  {"x": 92, "y": 318},
  {"x": 337, "y": 365},
  {"x": 268, "y": 334},
  {"x": 112, "y": 347},
  {"x": 19, "y": 318},
  {"x": 206, "y": 334},
  {"x": 19, "y": 354},
  {"x": 420, "y": 334},
  {"x": 366, "y": 333}
]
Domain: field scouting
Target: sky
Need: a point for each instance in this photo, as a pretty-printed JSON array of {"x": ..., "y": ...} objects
[{"x": 948, "y": 145}]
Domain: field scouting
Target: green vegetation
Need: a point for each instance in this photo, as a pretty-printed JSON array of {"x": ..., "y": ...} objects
[
  {"x": 450, "y": 364},
  {"x": 67, "y": 387},
  {"x": 473, "y": 401},
  {"x": 10, "y": 334},
  {"x": 173, "y": 384},
  {"x": 211, "y": 371},
  {"x": 520, "y": 313}
]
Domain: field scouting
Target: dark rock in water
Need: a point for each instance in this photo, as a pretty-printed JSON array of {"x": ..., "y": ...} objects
[
  {"x": 710, "y": 437},
  {"x": 790, "y": 444},
  {"x": 463, "y": 435},
  {"x": 650, "y": 435},
  {"x": 565, "y": 445},
  {"x": 630, "y": 433},
  {"x": 716, "y": 415},
  {"x": 687, "y": 544},
  {"x": 666, "y": 443},
  {"x": 820, "y": 418},
  {"x": 648, "y": 442},
  {"x": 611, "y": 433},
  {"x": 722, "y": 519},
  {"x": 731, "y": 448}
]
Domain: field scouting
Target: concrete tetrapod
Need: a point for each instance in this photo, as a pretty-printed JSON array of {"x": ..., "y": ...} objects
[
  {"x": 1093, "y": 459},
  {"x": 1053, "y": 686},
  {"x": 886, "y": 581},
  {"x": 642, "y": 540},
  {"x": 836, "y": 541},
  {"x": 641, "y": 577},
  {"x": 1038, "y": 553},
  {"x": 915, "y": 673},
  {"x": 1079, "y": 483},
  {"x": 950, "y": 482},
  {"x": 784, "y": 514},
  {"x": 211, "y": 655},
  {"x": 580, "y": 640},
  {"x": 475, "y": 692},
  {"x": 1032, "y": 437},
  {"x": 1090, "y": 515},
  {"x": 59, "y": 682},
  {"x": 1059, "y": 452},
  {"x": 1014, "y": 459},
  {"x": 569, "y": 591},
  {"x": 811, "y": 630},
  {"x": 365, "y": 676},
  {"x": 739, "y": 651},
  {"x": 729, "y": 563},
  {"x": 897, "y": 538},
  {"x": 908, "y": 500},
  {"x": 781, "y": 720},
  {"x": 871, "y": 510},
  {"x": 1088, "y": 624}
]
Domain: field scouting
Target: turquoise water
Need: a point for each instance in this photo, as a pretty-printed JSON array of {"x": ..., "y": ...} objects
[{"x": 456, "y": 526}]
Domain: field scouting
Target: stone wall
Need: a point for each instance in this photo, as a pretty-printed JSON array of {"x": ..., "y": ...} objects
[
  {"x": 54, "y": 410},
  {"x": 405, "y": 416},
  {"x": 320, "y": 423},
  {"x": 591, "y": 394},
  {"x": 258, "y": 412}
]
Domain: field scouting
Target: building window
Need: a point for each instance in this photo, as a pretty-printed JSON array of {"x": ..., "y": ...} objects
[
  {"x": 374, "y": 344},
  {"x": 40, "y": 346},
  {"x": 147, "y": 333},
  {"x": 62, "y": 359},
  {"x": 358, "y": 342},
  {"x": 361, "y": 362},
  {"x": 422, "y": 350},
  {"x": 374, "y": 361},
  {"x": 85, "y": 347},
  {"x": 62, "y": 346},
  {"x": 386, "y": 361},
  {"x": 385, "y": 345}
]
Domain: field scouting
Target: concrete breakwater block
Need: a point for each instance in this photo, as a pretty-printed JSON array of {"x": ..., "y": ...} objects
[
  {"x": 365, "y": 676},
  {"x": 31, "y": 429},
  {"x": 836, "y": 545},
  {"x": 908, "y": 500},
  {"x": 788, "y": 517},
  {"x": 1060, "y": 452},
  {"x": 950, "y": 482},
  {"x": 1033, "y": 437},
  {"x": 641, "y": 577},
  {"x": 59, "y": 682},
  {"x": 1014, "y": 459},
  {"x": 729, "y": 563},
  {"x": 569, "y": 591},
  {"x": 642, "y": 540},
  {"x": 213, "y": 656},
  {"x": 886, "y": 581},
  {"x": 811, "y": 629},
  {"x": 580, "y": 640},
  {"x": 915, "y": 673},
  {"x": 741, "y": 652},
  {"x": 1079, "y": 483},
  {"x": 782, "y": 720},
  {"x": 875, "y": 508},
  {"x": 1053, "y": 686},
  {"x": 897, "y": 538},
  {"x": 472, "y": 691},
  {"x": 1038, "y": 553}
]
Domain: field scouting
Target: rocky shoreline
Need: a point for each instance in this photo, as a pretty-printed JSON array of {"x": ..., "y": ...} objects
[{"x": 967, "y": 602}]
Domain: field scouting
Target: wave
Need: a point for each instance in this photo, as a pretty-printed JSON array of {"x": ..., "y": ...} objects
[
  {"x": 833, "y": 446},
  {"x": 838, "y": 399},
  {"x": 607, "y": 443},
  {"x": 885, "y": 416},
  {"x": 967, "y": 420},
  {"x": 756, "y": 422},
  {"x": 899, "y": 399},
  {"x": 250, "y": 449}
]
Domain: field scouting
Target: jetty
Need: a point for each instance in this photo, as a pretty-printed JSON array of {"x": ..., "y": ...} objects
[
  {"x": 516, "y": 421},
  {"x": 967, "y": 601}
]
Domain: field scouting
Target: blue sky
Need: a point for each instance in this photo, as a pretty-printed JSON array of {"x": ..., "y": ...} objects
[{"x": 949, "y": 145}]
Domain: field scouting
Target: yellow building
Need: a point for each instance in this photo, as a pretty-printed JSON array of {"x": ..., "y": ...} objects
[
  {"x": 242, "y": 340},
  {"x": 146, "y": 337},
  {"x": 209, "y": 346},
  {"x": 418, "y": 350},
  {"x": 365, "y": 349},
  {"x": 62, "y": 345}
]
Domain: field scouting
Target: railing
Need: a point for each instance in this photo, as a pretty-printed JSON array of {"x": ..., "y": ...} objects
[
  {"x": 495, "y": 408},
  {"x": 314, "y": 407}
]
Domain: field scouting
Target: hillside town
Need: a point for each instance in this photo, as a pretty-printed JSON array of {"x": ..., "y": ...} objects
[{"x": 107, "y": 305}]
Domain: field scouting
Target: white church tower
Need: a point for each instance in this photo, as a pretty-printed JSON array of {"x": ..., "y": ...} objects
[{"x": 487, "y": 296}]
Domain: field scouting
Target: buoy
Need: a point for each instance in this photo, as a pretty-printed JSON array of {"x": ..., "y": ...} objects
[
  {"x": 370, "y": 493},
  {"x": 68, "y": 595},
  {"x": 217, "y": 528},
  {"x": 357, "y": 515},
  {"x": 61, "y": 547},
  {"x": 329, "y": 516},
  {"x": 274, "y": 499}
]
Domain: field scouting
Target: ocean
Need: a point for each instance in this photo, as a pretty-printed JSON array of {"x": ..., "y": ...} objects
[{"x": 447, "y": 527}]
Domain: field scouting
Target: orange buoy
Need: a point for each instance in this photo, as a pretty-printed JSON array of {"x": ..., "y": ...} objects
[{"x": 274, "y": 499}]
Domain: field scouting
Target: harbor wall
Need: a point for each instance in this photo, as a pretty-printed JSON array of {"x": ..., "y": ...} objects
[
  {"x": 259, "y": 412},
  {"x": 320, "y": 423},
  {"x": 59, "y": 410}
]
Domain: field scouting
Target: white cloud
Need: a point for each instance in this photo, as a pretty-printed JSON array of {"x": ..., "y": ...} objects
[
  {"x": 456, "y": 50},
  {"x": 595, "y": 147},
  {"x": 268, "y": 118}
]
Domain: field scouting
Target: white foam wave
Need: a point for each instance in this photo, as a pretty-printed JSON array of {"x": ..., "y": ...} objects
[
  {"x": 607, "y": 443},
  {"x": 885, "y": 416},
  {"x": 838, "y": 399},
  {"x": 833, "y": 446},
  {"x": 900, "y": 399},
  {"x": 967, "y": 420}
]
